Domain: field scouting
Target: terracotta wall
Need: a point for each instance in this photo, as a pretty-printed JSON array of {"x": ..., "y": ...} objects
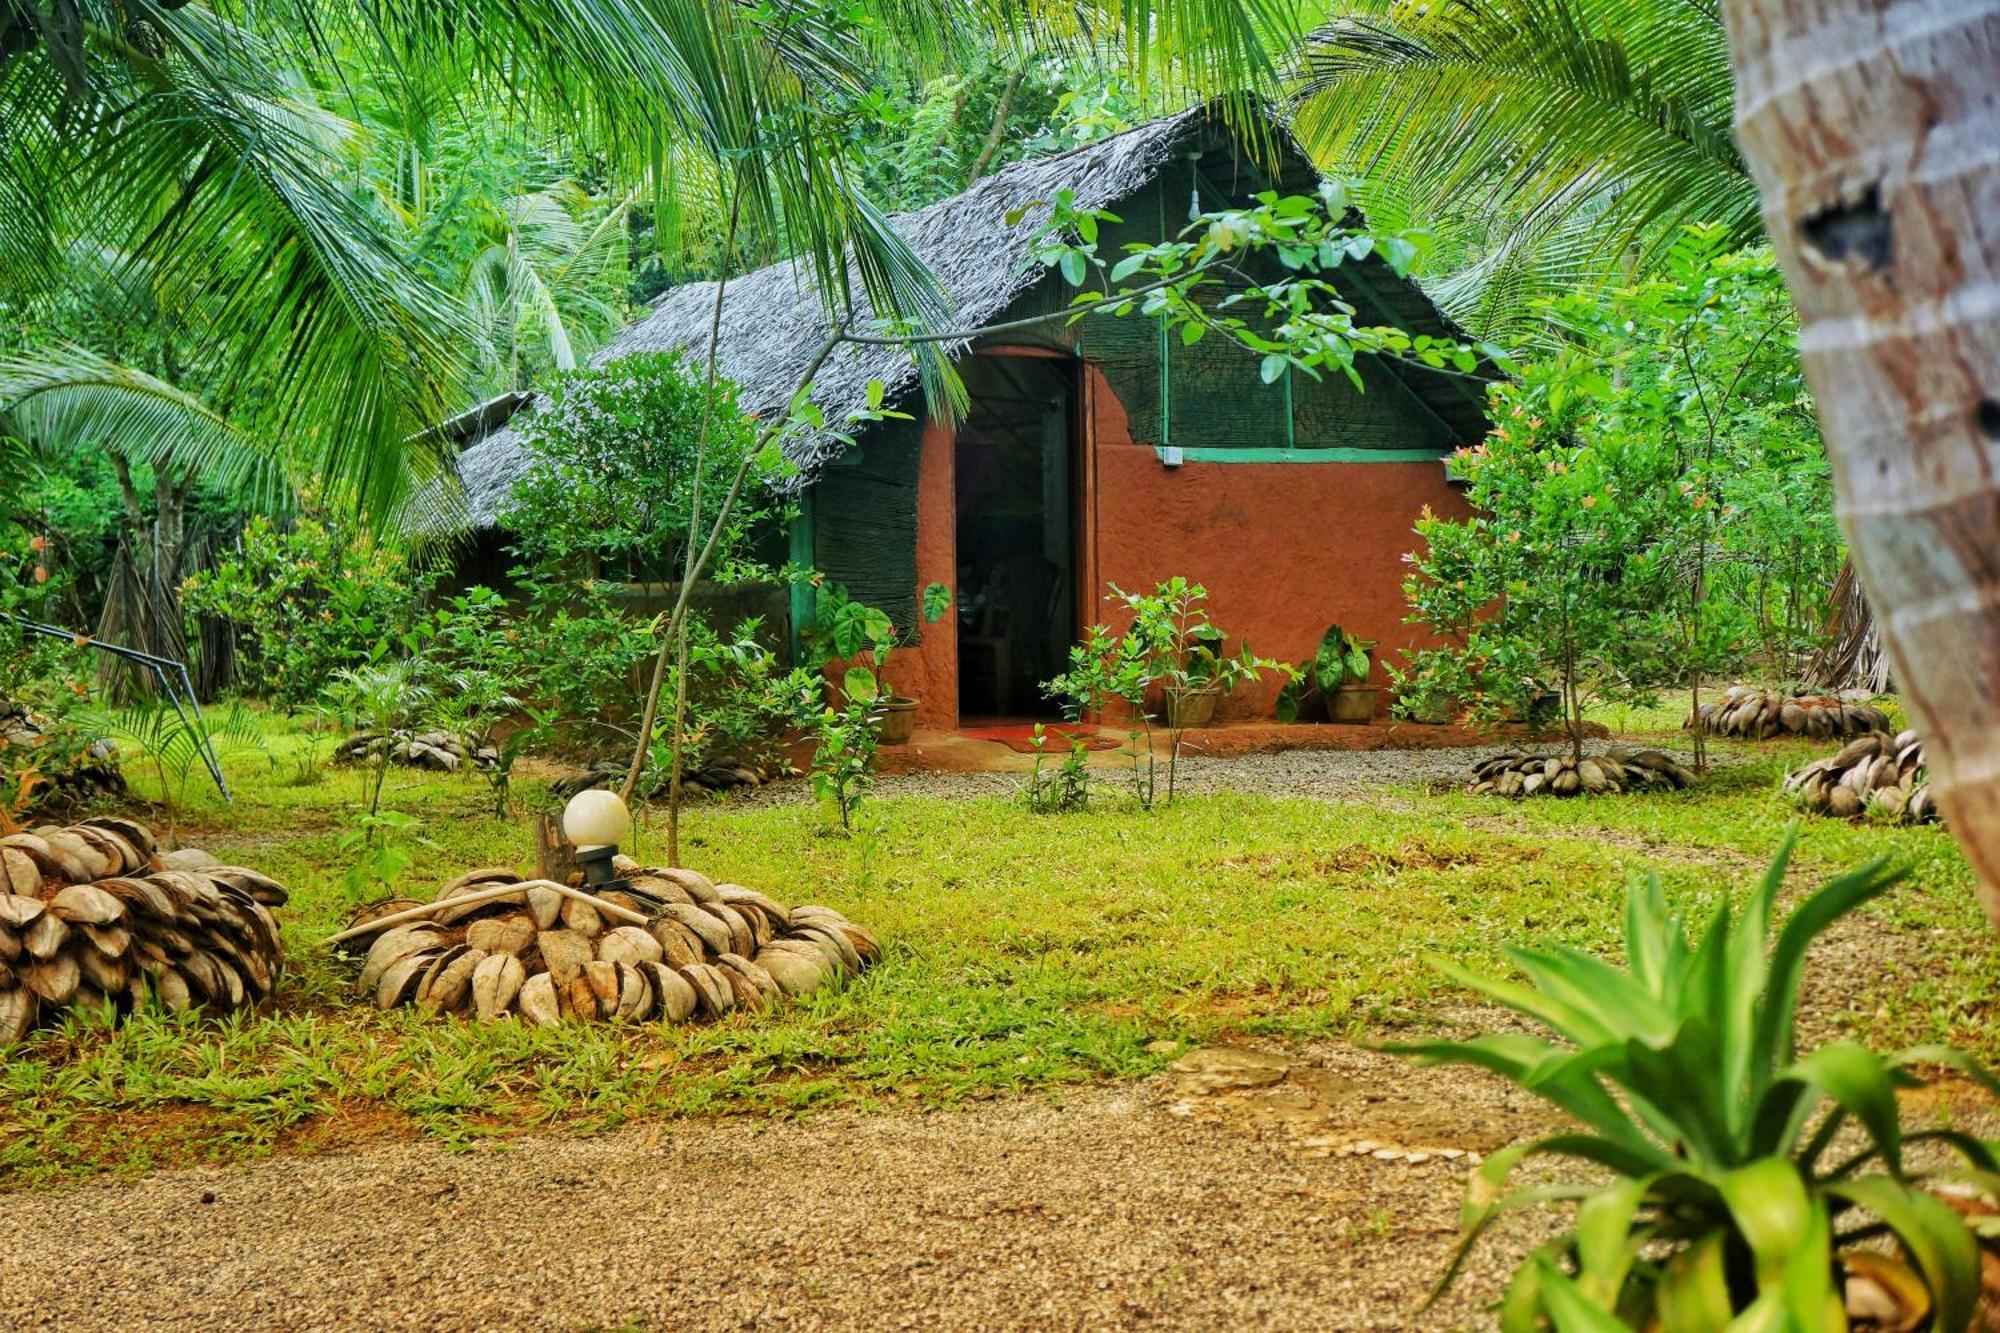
[
  {"x": 1284, "y": 549},
  {"x": 928, "y": 670}
]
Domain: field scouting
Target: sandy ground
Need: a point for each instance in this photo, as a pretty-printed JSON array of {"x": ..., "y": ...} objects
[{"x": 1247, "y": 1192}]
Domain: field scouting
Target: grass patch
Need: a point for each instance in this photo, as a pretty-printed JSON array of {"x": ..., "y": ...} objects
[{"x": 1024, "y": 952}]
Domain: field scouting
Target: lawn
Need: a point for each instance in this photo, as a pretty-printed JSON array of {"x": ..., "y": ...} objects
[{"x": 1024, "y": 952}]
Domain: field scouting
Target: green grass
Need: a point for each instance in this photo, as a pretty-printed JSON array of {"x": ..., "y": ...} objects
[{"x": 1024, "y": 952}]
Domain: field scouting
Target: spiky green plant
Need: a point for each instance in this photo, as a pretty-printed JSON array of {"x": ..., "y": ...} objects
[{"x": 1743, "y": 1172}]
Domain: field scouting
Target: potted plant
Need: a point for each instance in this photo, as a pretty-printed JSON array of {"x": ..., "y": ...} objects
[
  {"x": 1170, "y": 651},
  {"x": 1201, "y": 679},
  {"x": 863, "y": 636},
  {"x": 1335, "y": 680}
]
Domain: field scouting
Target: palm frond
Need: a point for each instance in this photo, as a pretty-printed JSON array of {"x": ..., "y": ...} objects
[
  {"x": 69, "y": 399},
  {"x": 1534, "y": 114}
]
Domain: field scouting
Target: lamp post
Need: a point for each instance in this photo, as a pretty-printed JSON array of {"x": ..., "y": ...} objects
[{"x": 595, "y": 822}]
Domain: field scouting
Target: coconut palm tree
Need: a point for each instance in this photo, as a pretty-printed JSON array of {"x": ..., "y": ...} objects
[
  {"x": 1872, "y": 159},
  {"x": 196, "y": 140},
  {"x": 538, "y": 287},
  {"x": 1549, "y": 141}
]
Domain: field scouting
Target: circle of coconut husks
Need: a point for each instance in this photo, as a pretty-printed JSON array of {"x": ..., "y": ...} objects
[
  {"x": 1516, "y": 775},
  {"x": 673, "y": 946},
  {"x": 1875, "y": 775},
  {"x": 1756, "y": 714},
  {"x": 96, "y": 916}
]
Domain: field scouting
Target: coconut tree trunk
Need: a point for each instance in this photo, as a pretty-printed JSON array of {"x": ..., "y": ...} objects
[{"x": 1870, "y": 128}]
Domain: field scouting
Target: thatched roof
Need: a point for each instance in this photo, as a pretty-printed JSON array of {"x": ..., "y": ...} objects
[{"x": 976, "y": 242}]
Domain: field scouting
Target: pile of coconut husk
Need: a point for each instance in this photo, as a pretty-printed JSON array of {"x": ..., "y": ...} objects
[
  {"x": 93, "y": 915},
  {"x": 63, "y": 771},
  {"x": 1516, "y": 775},
  {"x": 1872, "y": 775},
  {"x": 438, "y": 751},
  {"x": 1756, "y": 714},
  {"x": 717, "y": 775},
  {"x": 671, "y": 946}
]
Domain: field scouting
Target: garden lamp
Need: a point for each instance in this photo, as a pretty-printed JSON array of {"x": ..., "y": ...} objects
[{"x": 595, "y": 822}]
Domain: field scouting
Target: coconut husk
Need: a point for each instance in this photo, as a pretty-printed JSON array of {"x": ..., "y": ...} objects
[
  {"x": 1516, "y": 775},
  {"x": 1875, "y": 776},
  {"x": 1749, "y": 713},
  {"x": 91, "y": 917},
  {"x": 708, "y": 950}
]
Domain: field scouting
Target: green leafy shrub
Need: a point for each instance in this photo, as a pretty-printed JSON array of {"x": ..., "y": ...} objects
[
  {"x": 1560, "y": 581},
  {"x": 306, "y": 601},
  {"x": 742, "y": 700},
  {"x": 1063, "y": 790},
  {"x": 611, "y": 478},
  {"x": 1737, "y": 1199}
]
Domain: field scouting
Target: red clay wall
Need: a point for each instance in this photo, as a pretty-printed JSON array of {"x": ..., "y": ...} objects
[
  {"x": 928, "y": 670},
  {"x": 1284, "y": 549}
]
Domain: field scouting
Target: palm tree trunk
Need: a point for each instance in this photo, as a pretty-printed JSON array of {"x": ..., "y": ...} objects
[{"x": 1869, "y": 128}]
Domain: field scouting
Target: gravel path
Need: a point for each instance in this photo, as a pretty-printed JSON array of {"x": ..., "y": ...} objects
[
  {"x": 1325, "y": 774},
  {"x": 1171, "y": 1202}
]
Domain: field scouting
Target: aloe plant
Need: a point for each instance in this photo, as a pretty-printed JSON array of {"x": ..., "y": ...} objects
[{"x": 1736, "y": 1197}]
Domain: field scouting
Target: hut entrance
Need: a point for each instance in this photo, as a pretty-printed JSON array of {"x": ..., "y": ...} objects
[{"x": 1015, "y": 467}]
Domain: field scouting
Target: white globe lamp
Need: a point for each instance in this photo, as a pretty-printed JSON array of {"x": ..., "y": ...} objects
[{"x": 595, "y": 822}]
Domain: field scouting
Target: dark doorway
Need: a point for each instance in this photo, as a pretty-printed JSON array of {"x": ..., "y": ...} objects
[{"x": 1016, "y": 543}]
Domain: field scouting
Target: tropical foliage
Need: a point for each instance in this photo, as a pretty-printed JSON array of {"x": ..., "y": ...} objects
[
  {"x": 1747, "y": 1177},
  {"x": 1552, "y": 143},
  {"x": 1653, "y": 507},
  {"x": 612, "y": 479}
]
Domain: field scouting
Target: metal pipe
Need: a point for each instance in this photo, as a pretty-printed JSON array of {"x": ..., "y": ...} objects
[{"x": 158, "y": 666}]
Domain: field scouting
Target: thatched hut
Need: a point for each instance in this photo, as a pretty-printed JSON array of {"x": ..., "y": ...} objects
[{"x": 1093, "y": 453}]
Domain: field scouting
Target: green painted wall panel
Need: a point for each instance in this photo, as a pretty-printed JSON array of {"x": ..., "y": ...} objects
[{"x": 864, "y": 521}]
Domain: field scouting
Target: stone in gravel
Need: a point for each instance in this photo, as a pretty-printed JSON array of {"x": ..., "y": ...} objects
[{"x": 1211, "y": 1069}]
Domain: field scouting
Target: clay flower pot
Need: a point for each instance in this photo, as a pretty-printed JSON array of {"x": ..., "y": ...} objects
[
  {"x": 1193, "y": 706},
  {"x": 1353, "y": 704},
  {"x": 895, "y": 720}
]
